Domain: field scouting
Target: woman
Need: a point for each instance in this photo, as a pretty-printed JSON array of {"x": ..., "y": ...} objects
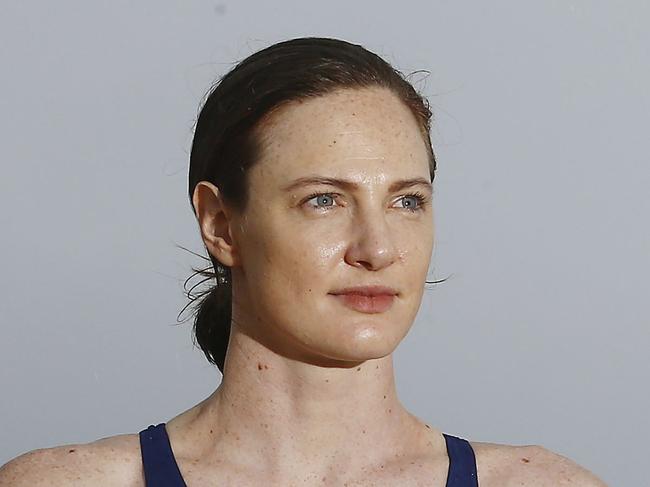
[{"x": 311, "y": 178}]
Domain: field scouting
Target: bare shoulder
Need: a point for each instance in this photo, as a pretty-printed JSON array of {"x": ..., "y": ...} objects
[
  {"x": 110, "y": 461},
  {"x": 528, "y": 466}
]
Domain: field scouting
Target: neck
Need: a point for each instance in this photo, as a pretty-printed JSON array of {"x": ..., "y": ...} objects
[{"x": 272, "y": 413}]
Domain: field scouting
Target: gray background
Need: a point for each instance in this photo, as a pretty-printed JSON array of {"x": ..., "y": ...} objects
[{"x": 540, "y": 336}]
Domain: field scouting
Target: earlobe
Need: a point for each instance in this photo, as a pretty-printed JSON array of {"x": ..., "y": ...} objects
[{"x": 214, "y": 222}]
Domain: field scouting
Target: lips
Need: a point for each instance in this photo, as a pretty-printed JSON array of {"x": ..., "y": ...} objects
[
  {"x": 366, "y": 304},
  {"x": 369, "y": 291},
  {"x": 366, "y": 299}
]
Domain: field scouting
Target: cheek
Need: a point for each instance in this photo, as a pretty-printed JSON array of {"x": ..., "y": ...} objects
[
  {"x": 415, "y": 246},
  {"x": 285, "y": 269}
]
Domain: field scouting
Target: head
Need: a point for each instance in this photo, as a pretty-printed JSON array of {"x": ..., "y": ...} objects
[{"x": 282, "y": 246}]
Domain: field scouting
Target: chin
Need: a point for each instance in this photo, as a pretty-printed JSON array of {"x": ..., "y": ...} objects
[{"x": 360, "y": 341}]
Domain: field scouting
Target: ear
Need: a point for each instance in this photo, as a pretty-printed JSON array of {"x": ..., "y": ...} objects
[{"x": 214, "y": 220}]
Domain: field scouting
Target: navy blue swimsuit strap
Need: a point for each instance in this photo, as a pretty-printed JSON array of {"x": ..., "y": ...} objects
[
  {"x": 160, "y": 467},
  {"x": 462, "y": 463}
]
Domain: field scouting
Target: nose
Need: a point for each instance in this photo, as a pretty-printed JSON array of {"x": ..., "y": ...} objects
[{"x": 373, "y": 243}]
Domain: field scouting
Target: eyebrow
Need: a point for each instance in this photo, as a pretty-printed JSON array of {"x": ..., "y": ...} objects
[{"x": 350, "y": 185}]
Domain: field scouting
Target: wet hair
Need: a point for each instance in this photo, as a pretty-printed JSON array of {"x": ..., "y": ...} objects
[{"x": 229, "y": 135}]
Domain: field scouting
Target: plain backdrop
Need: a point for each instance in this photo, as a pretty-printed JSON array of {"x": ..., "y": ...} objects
[{"x": 541, "y": 117}]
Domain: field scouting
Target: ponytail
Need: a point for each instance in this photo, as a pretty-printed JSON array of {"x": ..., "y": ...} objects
[{"x": 212, "y": 312}]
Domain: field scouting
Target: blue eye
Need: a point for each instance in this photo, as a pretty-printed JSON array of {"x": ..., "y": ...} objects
[
  {"x": 420, "y": 201},
  {"x": 321, "y": 197}
]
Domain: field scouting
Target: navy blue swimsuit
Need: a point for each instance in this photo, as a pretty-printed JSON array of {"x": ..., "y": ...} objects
[{"x": 161, "y": 469}]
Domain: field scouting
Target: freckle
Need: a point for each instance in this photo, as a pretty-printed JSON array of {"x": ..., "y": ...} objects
[
  {"x": 334, "y": 142},
  {"x": 358, "y": 369},
  {"x": 71, "y": 451},
  {"x": 259, "y": 366},
  {"x": 384, "y": 397},
  {"x": 525, "y": 460},
  {"x": 364, "y": 431},
  {"x": 266, "y": 366},
  {"x": 210, "y": 431},
  {"x": 390, "y": 410},
  {"x": 327, "y": 380}
]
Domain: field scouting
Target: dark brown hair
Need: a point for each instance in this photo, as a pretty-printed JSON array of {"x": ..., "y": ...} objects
[{"x": 227, "y": 139}]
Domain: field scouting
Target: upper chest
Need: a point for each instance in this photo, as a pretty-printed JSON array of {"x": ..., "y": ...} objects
[
  {"x": 493, "y": 463},
  {"x": 408, "y": 473}
]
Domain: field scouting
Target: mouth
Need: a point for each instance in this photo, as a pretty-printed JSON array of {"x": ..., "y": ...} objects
[
  {"x": 367, "y": 290},
  {"x": 372, "y": 304}
]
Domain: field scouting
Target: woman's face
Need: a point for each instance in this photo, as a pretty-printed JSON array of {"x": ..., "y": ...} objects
[{"x": 296, "y": 249}]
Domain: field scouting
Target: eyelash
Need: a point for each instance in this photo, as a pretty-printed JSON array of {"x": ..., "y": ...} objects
[{"x": 421, "y": 199}]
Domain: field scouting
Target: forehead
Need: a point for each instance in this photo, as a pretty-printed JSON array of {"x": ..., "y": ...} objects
[{"x": 346, "y": 132}]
